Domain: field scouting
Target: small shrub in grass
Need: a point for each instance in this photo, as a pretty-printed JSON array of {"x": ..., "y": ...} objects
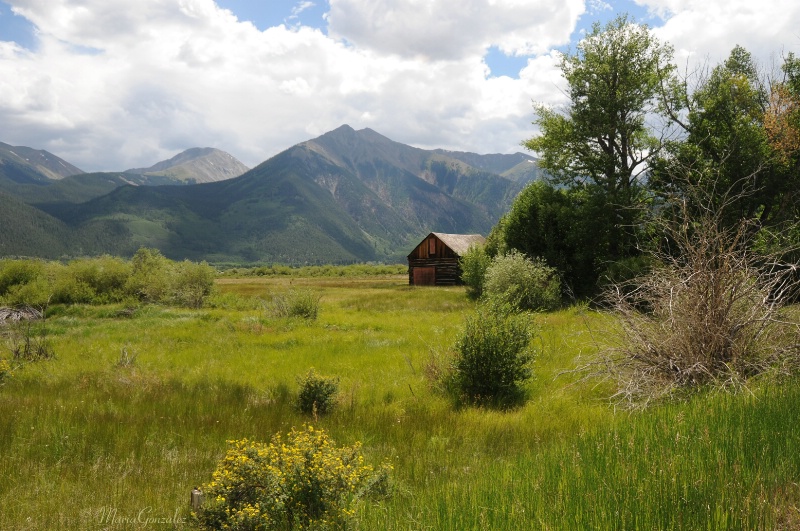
[
  {"x": 28, "y": 342},
  {"x": 474, "y": 264},
  {"x": 126, "y": 359},
  {"x": 295, "y": 303},
  {"x": 150, "y": 276},
  {"x": 304, "y": 482},
  {"x": 516, "y": 280},
  {"x": 191, "y": 283},
  {"x": 317, "y": 393},
  {"x": 492, "y": 357}
]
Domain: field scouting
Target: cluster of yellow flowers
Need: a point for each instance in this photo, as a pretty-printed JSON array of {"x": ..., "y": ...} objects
[
  {"x": 5, "y": 369},
  {"x": 304, "y": 482}
]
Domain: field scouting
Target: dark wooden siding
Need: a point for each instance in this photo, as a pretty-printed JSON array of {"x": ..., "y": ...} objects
[
  {"x": 423, "y": 250},
  {"x": 448, "y": 272},
  {"x": 424, "y": 276},
  {"x": 432, "y": 252}
]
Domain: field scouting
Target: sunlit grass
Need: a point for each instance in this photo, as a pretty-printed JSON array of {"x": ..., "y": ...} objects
[{"x": 84, "y": 434}]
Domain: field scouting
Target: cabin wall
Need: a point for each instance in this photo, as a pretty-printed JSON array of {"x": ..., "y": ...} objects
[
  {"x": 448, "y": 270},
  {"x": 432, "y": 248},
  {"x": 432, "y": 252}
]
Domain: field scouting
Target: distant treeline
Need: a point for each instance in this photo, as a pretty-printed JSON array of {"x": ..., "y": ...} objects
[
  {"x": 148, "y": 277},
  {"x": 351, "y": 270}
]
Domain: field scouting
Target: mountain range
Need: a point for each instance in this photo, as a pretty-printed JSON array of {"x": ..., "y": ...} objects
[{"x": 346, "y": 196}]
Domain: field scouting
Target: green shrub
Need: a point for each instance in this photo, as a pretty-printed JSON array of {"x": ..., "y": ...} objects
[
  {"x": 492, "y": 357},
  {"x": 150, "y": 277},
  {"x": 317, "y": 393},
  {"x": 191, "y": 283},
  {"x": 524, "y": 284},
  {"x": 306, "y": 482},
  {"x": 157, "y": 279},
  {"x": 14, "y": 273},
  {"x": 68, "y": 289},
  {"x": 91, "y": 281},
  {"x": 24, "y": 283},
  {"x": 474, "y": 264},
  {"x": 37, "y": 293},
  {"x": 295, "y": 303}
]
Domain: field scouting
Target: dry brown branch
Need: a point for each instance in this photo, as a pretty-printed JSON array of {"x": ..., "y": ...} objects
[
  {"x": 14, "y": 315},
  {"x": 713, "y": 312}
]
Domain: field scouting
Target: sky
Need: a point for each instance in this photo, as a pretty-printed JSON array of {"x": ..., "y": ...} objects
[{"x": 114, "y": 84}]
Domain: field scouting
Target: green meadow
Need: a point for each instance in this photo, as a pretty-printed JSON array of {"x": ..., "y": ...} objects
[{"x": 136, "y": 407}]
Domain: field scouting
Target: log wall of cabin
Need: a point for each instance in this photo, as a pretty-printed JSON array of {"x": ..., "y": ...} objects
[{"x": 448, "y": 271}]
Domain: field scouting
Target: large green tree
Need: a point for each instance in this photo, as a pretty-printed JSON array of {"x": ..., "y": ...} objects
[
  {"x": 741, "y": 143},
  {"x": 619, "y": 78}
]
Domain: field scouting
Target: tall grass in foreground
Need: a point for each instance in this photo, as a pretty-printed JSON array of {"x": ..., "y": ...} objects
[
  {"x": 723, "y": 462},
  {"x": 87, "y": 442}
]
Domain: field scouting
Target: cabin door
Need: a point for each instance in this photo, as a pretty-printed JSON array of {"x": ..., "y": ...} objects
[{"x": 424, "y": 276}]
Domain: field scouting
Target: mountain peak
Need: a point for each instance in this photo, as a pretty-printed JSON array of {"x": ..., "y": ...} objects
[
  {"x": 197, "y": 165},
  {"x": 28, "y": 164}
]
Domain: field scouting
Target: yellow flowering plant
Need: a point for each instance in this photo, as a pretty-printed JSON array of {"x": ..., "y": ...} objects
[
  {"x": 5, "y": 369},
  {"x": 304, "y": 482}
]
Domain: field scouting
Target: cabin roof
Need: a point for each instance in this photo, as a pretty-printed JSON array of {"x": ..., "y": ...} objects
[{"x": 460, "y": 243}]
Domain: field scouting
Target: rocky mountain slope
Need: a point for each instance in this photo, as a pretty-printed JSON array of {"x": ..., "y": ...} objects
[{"x": 346, "y": 196}]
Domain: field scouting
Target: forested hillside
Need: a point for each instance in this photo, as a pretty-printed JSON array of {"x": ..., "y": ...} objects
[{"x": 347, "y": 196}]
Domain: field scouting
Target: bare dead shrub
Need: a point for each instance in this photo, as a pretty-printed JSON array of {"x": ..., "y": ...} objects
[
  {"x": 29, "y": 343},
  {"x": 711, "y": 312}
]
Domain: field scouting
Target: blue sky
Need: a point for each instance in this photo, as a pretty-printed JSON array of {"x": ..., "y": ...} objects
[
  {"x": 113, "y": 84},
  {"x": 15, "y": 28}
]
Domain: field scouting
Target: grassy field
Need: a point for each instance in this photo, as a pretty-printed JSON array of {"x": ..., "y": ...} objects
[{"x": 138, "y": 405}]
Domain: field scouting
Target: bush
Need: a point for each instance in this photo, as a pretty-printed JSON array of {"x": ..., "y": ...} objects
[
  {"x": 29, "y": 343},
  {"x": 150, "y": 277},
  {"x": 15, "y": 273},
  {"x": 306, "y": 482},
  {"x": 24, "y": 283},
  {"x": 474, "y": 264},
  {"x": 709, "y": 313},
  {"x": 572, "y": 229},
  {"x": 191, "y": 283},
  {"x": 524, "y": 284},
  {"x": 157, "y": 279},
  {"x": 5, "y": 370},
  {"x": 91, "y": 280},
  {"x": 295, "y": 303},
  {"x": 317, "y": 393},
  {"x": 492, "y": 357},
  {"x": 37, "y": 293}
]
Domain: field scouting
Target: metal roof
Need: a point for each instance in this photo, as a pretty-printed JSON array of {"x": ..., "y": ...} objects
[{"x": 460, "y": 243}]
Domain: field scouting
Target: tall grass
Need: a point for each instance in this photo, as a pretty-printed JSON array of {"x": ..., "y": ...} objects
[
  {"x": 724, "y": 462},
  {"x": 87, "y": 442}
]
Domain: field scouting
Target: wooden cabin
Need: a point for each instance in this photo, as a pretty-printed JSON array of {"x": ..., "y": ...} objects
[{"x": 436, "y": 260}]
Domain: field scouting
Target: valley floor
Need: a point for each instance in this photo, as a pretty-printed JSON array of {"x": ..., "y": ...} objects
[{"x": 136, "y": 408}]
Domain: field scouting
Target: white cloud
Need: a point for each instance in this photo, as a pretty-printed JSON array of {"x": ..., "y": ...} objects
[
  {"x": 454, "y": 29},
  {"x": 115, "y": 84},
  {"x": 707, "y": 31}
]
